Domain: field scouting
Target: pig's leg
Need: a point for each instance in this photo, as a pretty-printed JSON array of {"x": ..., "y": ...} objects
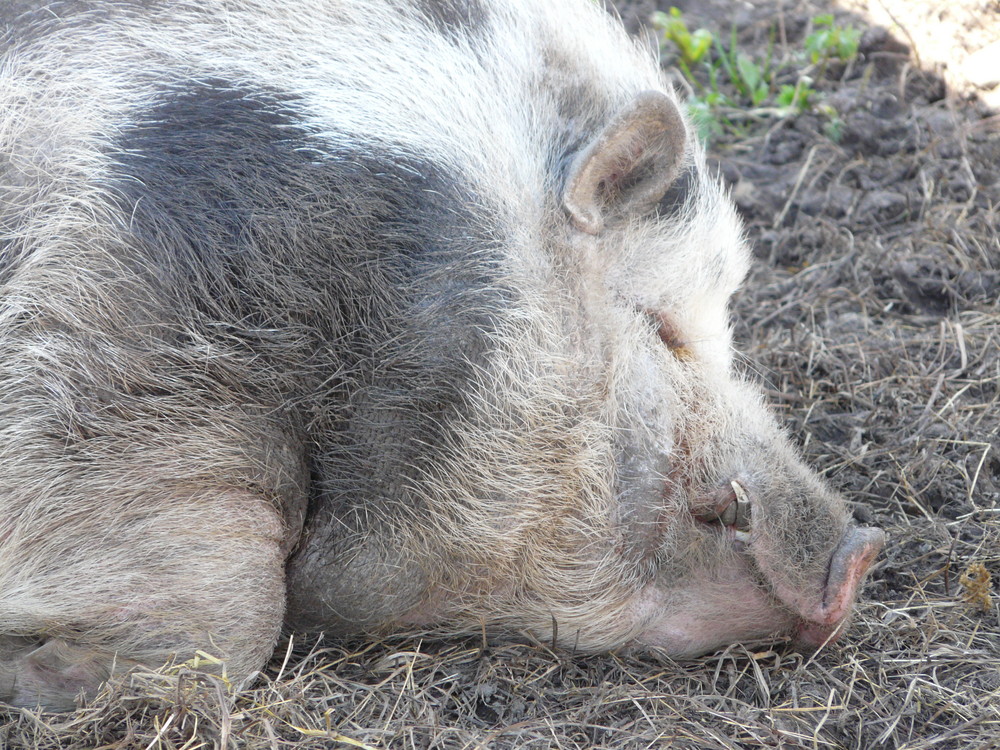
[
  {"x": 205, "y": 573},
  {"x": 49, "y": 673}
]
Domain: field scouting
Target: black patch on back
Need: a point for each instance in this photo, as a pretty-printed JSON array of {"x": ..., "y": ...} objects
[
  {"x": 455, "y": 19},
  {"x": 24, "y": 20},
  {"x": 360, "y": 286}
]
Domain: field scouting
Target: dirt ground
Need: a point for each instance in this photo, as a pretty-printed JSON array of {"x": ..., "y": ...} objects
[{"x": 872, "y": 317}]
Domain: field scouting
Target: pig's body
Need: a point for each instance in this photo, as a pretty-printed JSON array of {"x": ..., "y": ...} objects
[{"x": 367, "y": 315}]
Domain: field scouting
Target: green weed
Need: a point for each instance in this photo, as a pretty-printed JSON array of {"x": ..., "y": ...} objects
[
  {"x": 692, "y": 46},
  {"x": 830, "y": 40},
  {"x": 730, "y": 86},
  {"x": 797, "y": 98}
]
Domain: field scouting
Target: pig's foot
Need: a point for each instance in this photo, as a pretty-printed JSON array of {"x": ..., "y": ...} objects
[
  {"x": 54, "y": 674},
  {"x": 211, "y": 584}
]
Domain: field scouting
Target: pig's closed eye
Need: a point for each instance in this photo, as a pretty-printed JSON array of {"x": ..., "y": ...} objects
[{"x": 671, "y": 335}]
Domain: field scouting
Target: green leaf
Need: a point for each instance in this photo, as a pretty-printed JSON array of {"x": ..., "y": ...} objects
[
  {"x": 749, "y": 71},
  {"x": 701, "y": 42},
  {"x": 847, "y": 47},
  {"x": 786, "y": 96}
]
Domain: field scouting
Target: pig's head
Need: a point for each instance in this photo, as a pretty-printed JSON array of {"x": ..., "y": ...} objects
[
  {"x": 745, "y": 540},
  {"x": 707, "y": 529}
]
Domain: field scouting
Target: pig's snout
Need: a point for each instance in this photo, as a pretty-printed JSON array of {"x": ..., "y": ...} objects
[
  {"x": 820, "y": 602},
  {"x": 848, "y": 565}
]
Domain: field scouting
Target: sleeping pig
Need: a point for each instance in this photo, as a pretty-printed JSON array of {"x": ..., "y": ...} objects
[{"x": 348, "y": 316}]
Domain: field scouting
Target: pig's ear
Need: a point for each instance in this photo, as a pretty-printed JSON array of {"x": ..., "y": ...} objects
[{"x": 628, "y": 167}]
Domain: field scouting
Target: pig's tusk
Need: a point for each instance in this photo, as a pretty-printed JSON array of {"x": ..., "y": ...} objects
[
  {"x": 736, "y": 514},
  {"x": 740, "y": 509}
]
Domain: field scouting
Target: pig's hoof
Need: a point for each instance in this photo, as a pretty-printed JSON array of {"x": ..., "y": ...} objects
[{"x": 53, "y": 675}]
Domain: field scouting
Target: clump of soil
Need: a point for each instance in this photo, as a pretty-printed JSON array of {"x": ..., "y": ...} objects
[{"x": 872, "y": 316}]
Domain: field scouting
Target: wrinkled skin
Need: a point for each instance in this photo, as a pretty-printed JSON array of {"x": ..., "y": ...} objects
[{"x": 307, "y": 324}]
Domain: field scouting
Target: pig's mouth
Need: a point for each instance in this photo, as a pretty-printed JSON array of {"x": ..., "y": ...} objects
[{"x": 822, "y": 616}]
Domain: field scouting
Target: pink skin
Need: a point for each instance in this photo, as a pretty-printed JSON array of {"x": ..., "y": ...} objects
[
  {"x": 730, "y": 606},
  {"x": 725, "y": 608}
]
